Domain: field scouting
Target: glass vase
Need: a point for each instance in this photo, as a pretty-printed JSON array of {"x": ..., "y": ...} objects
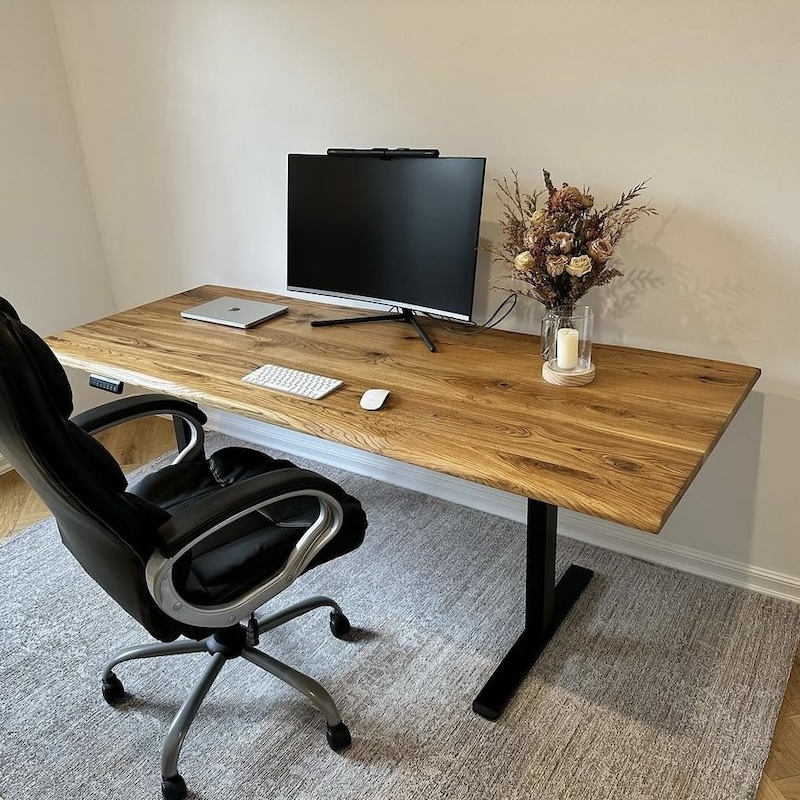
[
  {"x": 547, "y": 333},
  {"x": 567, "y": 339}
]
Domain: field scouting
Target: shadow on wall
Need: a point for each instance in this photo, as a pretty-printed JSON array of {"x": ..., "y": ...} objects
[
  {"x": 689, "y": 285},
  {"x": 706, "y": 306},
  {"x": 721, "y": 501}
]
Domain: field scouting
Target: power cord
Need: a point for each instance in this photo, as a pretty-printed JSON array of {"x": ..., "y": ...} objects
[{"x": 474, "y": 328}]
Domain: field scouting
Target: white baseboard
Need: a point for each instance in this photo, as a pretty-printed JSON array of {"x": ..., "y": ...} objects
[
  {"x": 571, "y": 524},
  {"x": 4, "y": 465}
]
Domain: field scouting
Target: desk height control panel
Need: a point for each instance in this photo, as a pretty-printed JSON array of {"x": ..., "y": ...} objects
[{"x": 106, "y": 384}]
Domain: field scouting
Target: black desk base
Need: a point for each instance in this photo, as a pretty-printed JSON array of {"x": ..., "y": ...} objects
[{"x": 546, "y": 606}]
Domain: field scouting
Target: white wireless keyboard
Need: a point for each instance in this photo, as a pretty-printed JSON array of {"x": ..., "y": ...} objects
[{"x": 292, "y": 381}]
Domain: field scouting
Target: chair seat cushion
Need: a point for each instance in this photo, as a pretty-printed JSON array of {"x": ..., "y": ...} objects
[
  {"x": 253, "y": 548},
  {"x": 178, "y": 486}
]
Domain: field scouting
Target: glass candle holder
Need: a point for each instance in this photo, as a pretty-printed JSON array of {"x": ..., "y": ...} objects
[{"x": 569, "y": 339}]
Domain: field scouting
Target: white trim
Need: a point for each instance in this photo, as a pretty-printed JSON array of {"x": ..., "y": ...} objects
[
  {"x": 571, "y": 524},
  {"x": 4, "y": 465}
]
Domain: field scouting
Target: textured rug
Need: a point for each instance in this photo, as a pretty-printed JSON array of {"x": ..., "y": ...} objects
[{"x": 658, "y": 685}]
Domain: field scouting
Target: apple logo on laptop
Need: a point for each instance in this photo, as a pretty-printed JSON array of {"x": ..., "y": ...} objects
[{"x": 235, "y": 308}]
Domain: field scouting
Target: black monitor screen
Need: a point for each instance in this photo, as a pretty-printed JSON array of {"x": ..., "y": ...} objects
[{"x": 401, "y": 231}]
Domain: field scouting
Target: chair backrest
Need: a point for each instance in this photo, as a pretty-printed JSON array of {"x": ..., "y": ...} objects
[{"x": 109, "y": 531}]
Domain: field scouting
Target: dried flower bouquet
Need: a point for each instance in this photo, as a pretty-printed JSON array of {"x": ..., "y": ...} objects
[{"x": 562, "y": 248}]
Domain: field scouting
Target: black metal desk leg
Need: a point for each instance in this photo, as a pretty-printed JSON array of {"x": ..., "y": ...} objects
[{"x": 546, "y": 606}]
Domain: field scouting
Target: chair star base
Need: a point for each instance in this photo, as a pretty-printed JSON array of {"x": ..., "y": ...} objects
[{"x": 223, "y": 646}]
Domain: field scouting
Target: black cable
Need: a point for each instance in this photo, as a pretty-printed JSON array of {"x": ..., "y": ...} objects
[
  {"x": 475, "y": 327},
  {"x": 513, "y": 298}
]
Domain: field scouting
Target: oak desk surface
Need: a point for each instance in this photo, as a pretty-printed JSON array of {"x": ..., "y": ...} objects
[{"x": 623, "y": 448}]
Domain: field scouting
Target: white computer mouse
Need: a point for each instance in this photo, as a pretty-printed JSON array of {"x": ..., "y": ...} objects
[{"x": 373, "y": 399}]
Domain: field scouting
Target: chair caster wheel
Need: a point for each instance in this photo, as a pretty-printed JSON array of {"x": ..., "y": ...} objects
[
  {"x": 113, "y": 690},
  {"x": 338, "y": 737},
  {"x": 173, "y": 788},
  {"x": 340, "y": 625}
]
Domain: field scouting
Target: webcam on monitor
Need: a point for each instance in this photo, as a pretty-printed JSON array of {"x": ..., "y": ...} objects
[{"x": 385, "y": 152}]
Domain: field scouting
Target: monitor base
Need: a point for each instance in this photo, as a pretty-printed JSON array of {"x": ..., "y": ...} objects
[{"x": 404, "y": 315}]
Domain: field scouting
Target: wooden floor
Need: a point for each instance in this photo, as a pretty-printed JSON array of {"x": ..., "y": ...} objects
[
  {"x": 133, "y": 444},
  {"x": 140, "y": 441}
]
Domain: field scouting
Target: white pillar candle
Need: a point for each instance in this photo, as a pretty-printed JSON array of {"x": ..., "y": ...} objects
[{"x": 567, "y": 348}]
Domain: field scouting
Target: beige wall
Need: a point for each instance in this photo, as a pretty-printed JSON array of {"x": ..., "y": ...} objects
[
  {"x": 187, "y": 110},
  {"x": 52, "y": 266}
]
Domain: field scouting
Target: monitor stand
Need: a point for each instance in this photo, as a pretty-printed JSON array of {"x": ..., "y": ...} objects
[{"x": 405, "y": 315}]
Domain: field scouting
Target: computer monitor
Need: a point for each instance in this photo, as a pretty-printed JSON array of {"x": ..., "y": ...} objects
[{"x": 388, "y": 227}]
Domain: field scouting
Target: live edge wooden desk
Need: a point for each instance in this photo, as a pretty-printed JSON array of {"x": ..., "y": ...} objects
[{"x": 624, "y": 448}]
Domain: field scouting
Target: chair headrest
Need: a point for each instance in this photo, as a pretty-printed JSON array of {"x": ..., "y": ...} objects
[
  {"x": 40, "y": 356},
  {"x": 7, "y": 308}
]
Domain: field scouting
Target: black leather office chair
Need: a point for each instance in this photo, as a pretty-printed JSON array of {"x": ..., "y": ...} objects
[{"x": 190, "y": 551}]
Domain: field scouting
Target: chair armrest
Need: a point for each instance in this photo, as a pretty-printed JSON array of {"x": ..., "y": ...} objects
[
  {"x": 188, "y": 527},
  {"x": 116, "y": 412},
  {"x": 208, "y": 516}
]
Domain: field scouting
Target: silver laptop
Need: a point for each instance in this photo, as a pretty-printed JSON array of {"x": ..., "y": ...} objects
[{"x": 235, "y": 311}]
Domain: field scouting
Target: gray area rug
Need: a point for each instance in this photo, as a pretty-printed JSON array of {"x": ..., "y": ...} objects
[{"x": 658, "y": 685}]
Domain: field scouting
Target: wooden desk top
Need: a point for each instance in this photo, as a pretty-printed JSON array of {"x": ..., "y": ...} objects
[{"x": 623, "y": 448}]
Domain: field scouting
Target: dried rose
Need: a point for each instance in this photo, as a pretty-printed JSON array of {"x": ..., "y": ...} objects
[
  {"x": 579, "y": 266},
  {"x": 556, "y": 265},
  {"x": 530, "y": 238},
  {"x": 562, "y": 241},
  {"x": 523, "y": 262},
  {"x": 601, "y": 250},
  {"x": 570, "y": 199},
  {"x": 591, "y": 230},
  {"x": 538, "y": 218}
]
